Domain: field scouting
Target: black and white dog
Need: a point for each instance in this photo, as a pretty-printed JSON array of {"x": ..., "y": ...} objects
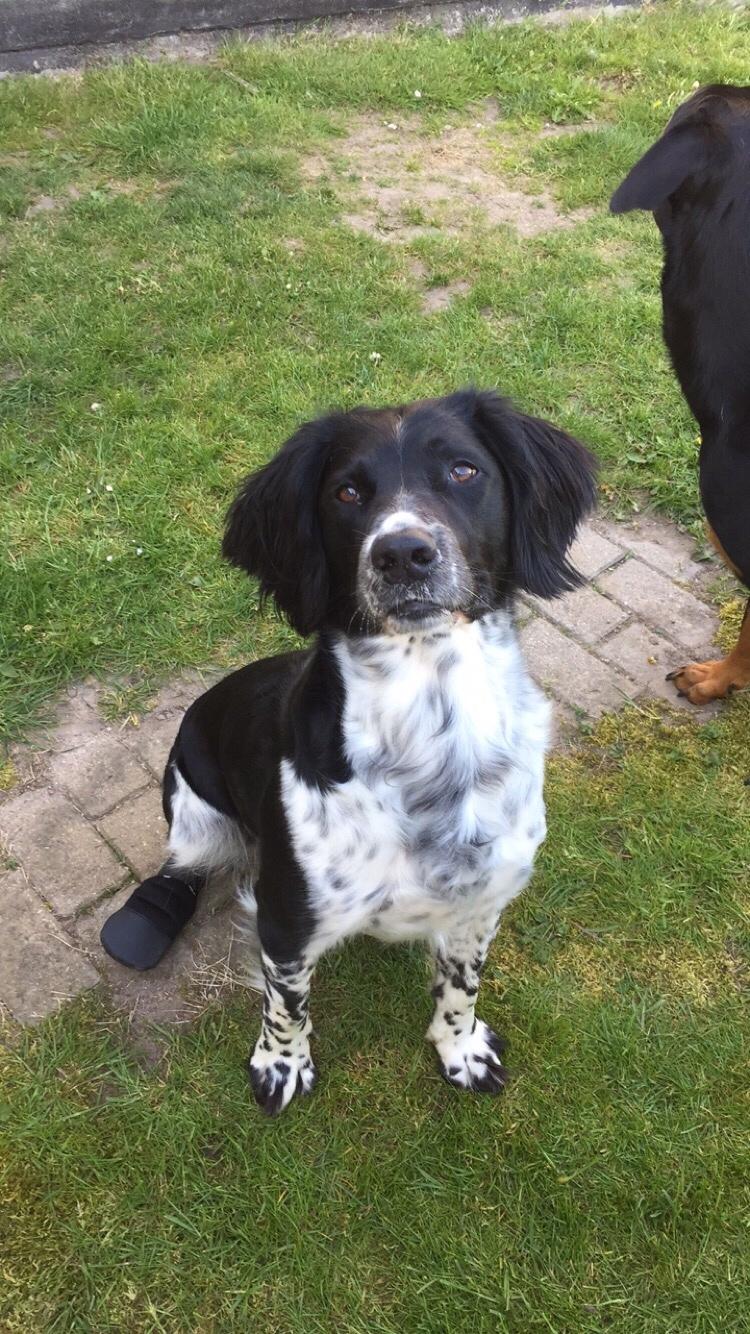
[{"x": 388, "y": 780}]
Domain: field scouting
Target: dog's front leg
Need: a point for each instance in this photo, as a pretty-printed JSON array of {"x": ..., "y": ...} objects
[
  {"x": 469, "y": 1051},
  {"x": 281, "y": 1065}
]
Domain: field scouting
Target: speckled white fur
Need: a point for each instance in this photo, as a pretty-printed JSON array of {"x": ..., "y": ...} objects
[
  {"x": 427, "y": 833},
  {"x": 431, "y": 837},
  {"x": 200, "y": 837}
]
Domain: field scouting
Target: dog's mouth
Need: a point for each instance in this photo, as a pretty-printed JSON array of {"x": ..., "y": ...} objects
[
  {"x": 419, "y": 613},
  {"x": 415, "y": 609}
]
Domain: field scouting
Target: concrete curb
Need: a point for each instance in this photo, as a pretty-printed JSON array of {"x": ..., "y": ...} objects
[{"x": 39, "y": 35}]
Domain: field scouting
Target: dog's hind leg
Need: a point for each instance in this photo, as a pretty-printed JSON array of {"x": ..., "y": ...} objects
[
  {"x": 201, "y": 840},
  {"x": 701, "y": 682}
]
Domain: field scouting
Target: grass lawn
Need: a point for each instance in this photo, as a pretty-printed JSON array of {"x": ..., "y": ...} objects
[
  {"x": 194, "y": 258},
  {"x": 186, "y": 272}
]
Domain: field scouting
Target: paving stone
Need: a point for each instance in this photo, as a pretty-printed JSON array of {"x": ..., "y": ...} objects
[
  {"x": 661, "y": 603},
  {"x": 584, "y": 612},
  {"x": 577, "y": 677},
  {"x": 591, "y": 552},
  {"x": 660, "y": 544},
  {"x": 75, "y": 723},
  {"x": 99, "y": 775},
  {"x": 177, "y": 695},
  {"x": 647, "y": 657},
  {"x": 201, "y": 960},
  {"x": 40, "y": 966},
  {"x": 66, "y": 860},
  {"x": 138, "y": 831},
  {"x": 152, "y": 741},
  {"x": 564, "y": 726},
  {"x": 29, "y": 767},
  {"x": 172, "y": 699}
]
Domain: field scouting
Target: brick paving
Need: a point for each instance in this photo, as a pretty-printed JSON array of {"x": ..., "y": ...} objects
[{"x": 84, "y": 822}]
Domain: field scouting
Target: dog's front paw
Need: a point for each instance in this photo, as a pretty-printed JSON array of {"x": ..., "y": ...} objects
[
  {"x": 275, "y": 1079},
  {"x": 702, "y": 682},
  {"x": 473, "y": 1060}
]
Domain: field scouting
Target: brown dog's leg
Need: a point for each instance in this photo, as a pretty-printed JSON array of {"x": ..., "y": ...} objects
[{"x": 704, "y": 681}]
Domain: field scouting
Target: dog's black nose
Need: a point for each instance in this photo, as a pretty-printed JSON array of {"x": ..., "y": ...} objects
[{"x": 404, "y": 557}]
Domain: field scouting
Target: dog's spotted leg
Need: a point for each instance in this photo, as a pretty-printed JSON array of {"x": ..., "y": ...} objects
[
  {"x": 469, "y": 1051},
  {"x": 704, "y": 681},
  {"x": 281, "y": 1065}
]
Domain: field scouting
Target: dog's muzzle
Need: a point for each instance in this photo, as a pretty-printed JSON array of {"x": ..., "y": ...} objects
[
  {"x": 405, "y": 557},
  {"x": 410, "y": 573}
]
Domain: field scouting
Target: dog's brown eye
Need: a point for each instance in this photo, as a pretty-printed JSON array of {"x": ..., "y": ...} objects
[
  {"x": 348, "y": 495},
  {"x": 462, "y": 472}
]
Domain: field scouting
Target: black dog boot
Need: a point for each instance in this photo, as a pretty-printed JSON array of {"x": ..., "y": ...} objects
[{"x": 140, "y": 933}]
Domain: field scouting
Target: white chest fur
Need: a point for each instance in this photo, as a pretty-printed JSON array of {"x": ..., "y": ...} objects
[{"x": 445, "y": 734}]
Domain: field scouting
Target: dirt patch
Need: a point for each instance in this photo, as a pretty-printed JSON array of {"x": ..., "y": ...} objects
[
  {"x": 436, "y": 299},
  {"x": 499, "y": 321},
  {"x": 551, "y": 131},
  {"x": 129, "y": 188},
  {"x": 44, "y": 204},
  {"x": 613, "y": 251},
  {"x": 51, "y": 203},
  {"x": 402, "y": 184}
]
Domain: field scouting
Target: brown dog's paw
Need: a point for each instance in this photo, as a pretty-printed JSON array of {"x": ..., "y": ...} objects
[{"x": 703, "y": 681}]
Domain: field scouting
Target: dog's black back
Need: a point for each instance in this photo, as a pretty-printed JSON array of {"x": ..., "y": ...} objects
[{"x": 696, "y": 180}]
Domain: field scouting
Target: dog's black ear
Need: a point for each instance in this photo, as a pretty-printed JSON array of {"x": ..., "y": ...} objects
[
  {"x": 551, "y": 480},
  {"x": 272, "y": 528},
  {"x": 679, "y": 153}
]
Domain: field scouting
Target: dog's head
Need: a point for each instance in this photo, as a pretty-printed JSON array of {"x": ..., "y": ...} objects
[
  {"x": 689, "y": 163},
  {"x": 386, "y": 519}
]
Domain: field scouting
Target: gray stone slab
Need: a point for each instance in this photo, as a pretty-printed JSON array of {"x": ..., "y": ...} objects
[
  {"x": 577, "y": 678},
  {"x": 658, "y": 543},
  {"x": 647, "y": 657},
  {"x": 40, "y": 966},
  {"x": 564, "y": 726},
  {"x": 592, "y": 552},
  {"x": 152, "y": 741},
  {"x": 661, "y": 603},
  {"x": 199, "y": 966},
  {"x": 99, "y": 775},
  {"x": 138, "y": 831},
  {"x": 33, "y": 29},
  {"x": 64, "y": 857},
  {"x": 584, "y": 612},
  {"x": 76, "y": 722},
  {"x": 177, "y": 695}
]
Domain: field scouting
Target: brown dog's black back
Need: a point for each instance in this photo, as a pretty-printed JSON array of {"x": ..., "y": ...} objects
[{"x": 696, "y": 181}]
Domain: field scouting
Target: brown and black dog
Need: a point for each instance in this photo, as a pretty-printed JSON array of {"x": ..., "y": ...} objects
[{"x": 696, "y": 180}]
